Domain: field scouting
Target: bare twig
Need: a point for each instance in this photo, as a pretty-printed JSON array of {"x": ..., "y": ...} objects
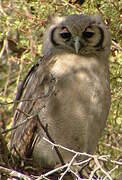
[
  {"x": 102, "y": 158},
  {"x": 20, "y": 124},
  {"x": 13, "y": 173},
  {"x": 5, "y": 44},
  {"x": 22, "y": 100},
  {"x": 113, "y": 147},
  {"x": 20, "y": 72},
  {"x": 82, "y": 162},
  {"x": 92, "y": 173},
  {"x": 62, "y": 168},
  {"x": 65, "y": 3},
  {"x": 70, "y": 150},
  {"x": 112, "y": 161},
  {"x": 10, "y": 84},
  {"x": 100, "y": 167},
  {"x": 2, "y": 10},
  {"x": 3, "y": 151},
  {"x": 53, "y": 171},
  {"x": 8, "y": 78},
  {"x": 116, "y": 167},
  {"x": 69, "y": 166},
  {"x": 75, "y": 174},
  {"x": 51, "y": 140},
  {"x": 117, "y": 46}
]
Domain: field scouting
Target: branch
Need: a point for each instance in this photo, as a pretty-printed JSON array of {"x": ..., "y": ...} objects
[
  {"x": 52, "y": 172},
  {"x": 2, "y": 10},
  {"x": 102, "y": 158},
  {"x": 20, "y": 124},
  {"x": 65, "y": 3},
  {"x": 3, "y": 152},
  {"x": 75, "y": 174},
  {"x": 100, "y": 167},
  {"x": 92, "y": 173},
  {"x": 13, "y": 173},
  {"x": 68, "y": 167},
  {"x": 61, "y": 168},
  {"x": 113, "y": 147},
  {"x": 51, "y": 140},
  {"x": 116, "y": 46},
  {"x": 22, "y": 100},
  {"x": 72, "y": 151}
]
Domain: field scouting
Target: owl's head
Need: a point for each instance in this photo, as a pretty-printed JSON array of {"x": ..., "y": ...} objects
[{"x": 79, "y": 34}]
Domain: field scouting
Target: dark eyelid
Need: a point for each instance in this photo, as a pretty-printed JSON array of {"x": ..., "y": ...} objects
[
  {"x": 64, "y": 27},
  {"x": 88, "y": 34},
  {"x": 65, "y": 33}
]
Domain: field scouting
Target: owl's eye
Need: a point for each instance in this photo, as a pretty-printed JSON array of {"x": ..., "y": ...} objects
[
  {"x": 65, "y": 34},
  {"x": 88, "y": 33}
]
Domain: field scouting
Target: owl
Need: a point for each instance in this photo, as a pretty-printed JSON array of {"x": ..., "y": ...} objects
[{"x": 67, "y": 92}]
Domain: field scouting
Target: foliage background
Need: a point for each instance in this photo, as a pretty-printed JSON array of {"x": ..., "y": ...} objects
[{"x": 22, "y": 24}]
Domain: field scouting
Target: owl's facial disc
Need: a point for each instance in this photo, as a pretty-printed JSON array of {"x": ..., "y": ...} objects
[
  {"x": 61, "y": 36},
  {"x": 93, "y": 36},
  {"x": 77, "y": 41}
]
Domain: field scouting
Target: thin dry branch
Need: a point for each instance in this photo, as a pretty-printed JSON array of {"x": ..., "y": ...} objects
[
  {"x": 5, "y": 44},
  {"x": 52, "y": 172},
  {"x": 76, "y": 175},
  {"x": 50, "y": 139},
  {"x": 20, "y": 124},
  {"x": 65, "y": 3},
  {"x": 68, "y": 167},
  {"x": 113, "y": 147},
  {"x": 2, "y": 10},
  {"x": 116, "y": 46},
  {"x": 100, "y": 167},
  {"x": 8, "y": 78},
  {"x": 61, "y": 168},
  {"x": 70, "y": 150},
  {"x": 104, "y": 158},
  {"x": 92, "y": 173},
  {"x": 22, "y": 100},
  {"x": 3, "y": 152},
  {"x": 13, "y": 173}
]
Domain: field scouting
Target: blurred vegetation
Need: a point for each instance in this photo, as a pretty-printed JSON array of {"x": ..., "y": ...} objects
[{"x": 22, "y": 24}]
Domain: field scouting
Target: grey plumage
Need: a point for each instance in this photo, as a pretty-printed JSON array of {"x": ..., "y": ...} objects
[{"x": 72, "y": 80}]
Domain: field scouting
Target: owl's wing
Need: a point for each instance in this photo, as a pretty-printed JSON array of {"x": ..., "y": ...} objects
[
  {"x": 29, "y": 95},
  {"x": 25, "y": 81}
]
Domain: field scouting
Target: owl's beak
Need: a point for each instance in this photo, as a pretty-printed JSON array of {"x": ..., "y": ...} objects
[{"x": 77, "y": 44}]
